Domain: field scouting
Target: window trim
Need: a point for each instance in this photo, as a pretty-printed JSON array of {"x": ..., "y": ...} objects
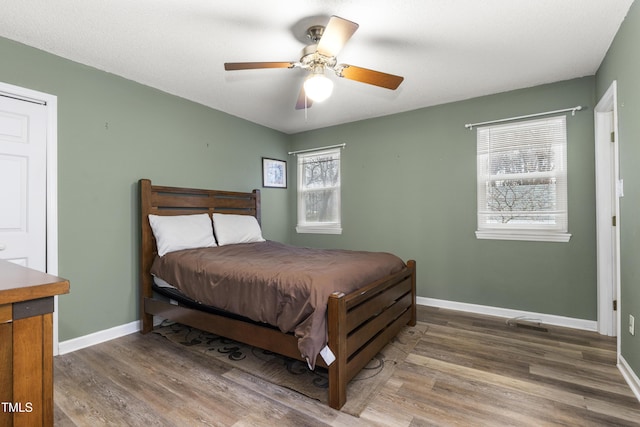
[
  {"x": 318, "y": 227},
  {"x": 532, "y": 232},
  {"x": 522, "y": 235}
]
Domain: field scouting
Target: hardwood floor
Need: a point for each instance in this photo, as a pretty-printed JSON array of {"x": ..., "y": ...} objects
[{"x": 467, "y": 370}]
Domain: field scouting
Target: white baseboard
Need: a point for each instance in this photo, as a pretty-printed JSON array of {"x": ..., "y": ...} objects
[
  {"x": 549, "y": 319},
  {"x": 102, "y": 336},
  {"x": 630, "y": 377},
  {"x": 98, "y": 337},
  {"x": 130, "y": 328}
]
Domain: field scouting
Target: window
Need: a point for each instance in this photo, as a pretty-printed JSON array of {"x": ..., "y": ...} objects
[
  {"x": 522, "y": 181},
  {"x": 319, "y": 192}
]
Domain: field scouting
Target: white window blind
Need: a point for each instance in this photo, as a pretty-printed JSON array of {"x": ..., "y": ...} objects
[
  {"x": 522, "y": 180},
  {"x": 319, "y": 192}
]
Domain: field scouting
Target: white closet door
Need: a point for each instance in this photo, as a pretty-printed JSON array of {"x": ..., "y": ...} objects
[{"x": 23, "y": 182}]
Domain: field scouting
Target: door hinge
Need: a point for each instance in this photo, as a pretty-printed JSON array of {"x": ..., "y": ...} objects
[
  {"x": 613, "y": 220},
  {"x": 613, "y": 137},
  {"x": 615, "y": 305}
]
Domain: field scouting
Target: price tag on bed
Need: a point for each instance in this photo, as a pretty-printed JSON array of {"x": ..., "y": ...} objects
[{"x": 327, "y": 355}]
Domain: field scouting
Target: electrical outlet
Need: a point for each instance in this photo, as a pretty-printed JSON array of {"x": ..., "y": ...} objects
[{"x": 632, "y": 325}]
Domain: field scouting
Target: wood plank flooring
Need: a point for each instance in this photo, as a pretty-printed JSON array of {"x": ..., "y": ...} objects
[{"x": 468, "y": 370}]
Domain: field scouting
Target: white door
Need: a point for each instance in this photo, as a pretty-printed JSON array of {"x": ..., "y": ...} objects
[{"x": 23, "y": 182}]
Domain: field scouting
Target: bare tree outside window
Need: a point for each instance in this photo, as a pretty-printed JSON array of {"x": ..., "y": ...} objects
[
  {"x": 522, "y": 179},
  {"x": 522, "y": 199},
  {"x": 321, "y": 178},
  {"x": 319, "y": 189}
]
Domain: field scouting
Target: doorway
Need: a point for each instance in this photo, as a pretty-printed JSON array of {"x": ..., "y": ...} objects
[{"x": 608, "y": 191}]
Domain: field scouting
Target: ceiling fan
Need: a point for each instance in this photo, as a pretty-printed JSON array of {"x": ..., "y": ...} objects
[{"x": 320, "y": 56}]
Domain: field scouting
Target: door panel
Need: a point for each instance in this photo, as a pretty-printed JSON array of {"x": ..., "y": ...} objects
[{"x": 23, "y": 182}]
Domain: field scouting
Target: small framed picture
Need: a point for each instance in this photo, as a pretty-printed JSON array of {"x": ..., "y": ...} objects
[{"x": 274, "y": 173}]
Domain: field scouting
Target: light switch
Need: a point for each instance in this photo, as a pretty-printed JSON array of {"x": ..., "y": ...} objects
[{"x": 620, "y": 188}]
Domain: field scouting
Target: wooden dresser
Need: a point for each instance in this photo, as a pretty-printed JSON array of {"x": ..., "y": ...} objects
[{"x": 26, "y": 345}]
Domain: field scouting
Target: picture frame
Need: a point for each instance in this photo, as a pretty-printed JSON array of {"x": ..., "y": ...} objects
[{"x": 274, "y": 173}]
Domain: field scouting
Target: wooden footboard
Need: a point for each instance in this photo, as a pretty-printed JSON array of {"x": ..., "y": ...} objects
[{"x": 359, "y": 324}]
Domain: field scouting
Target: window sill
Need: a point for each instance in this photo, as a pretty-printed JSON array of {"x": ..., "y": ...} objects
[
  {"x": 318, "y": 229},
  {"x": 531, "y": 236}
]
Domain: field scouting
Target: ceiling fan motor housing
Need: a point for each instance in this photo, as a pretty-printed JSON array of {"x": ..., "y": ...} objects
[{"x": 311, "y": 59}]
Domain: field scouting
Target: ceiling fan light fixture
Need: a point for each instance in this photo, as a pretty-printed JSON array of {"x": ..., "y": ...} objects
[{"x": 318, "y": 87}]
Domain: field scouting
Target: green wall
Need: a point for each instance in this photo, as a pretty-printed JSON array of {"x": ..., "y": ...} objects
[
  {"x": 622, "y": 64},
  {"x": 112, "y": 132},
  {"x": 409, "y": 187}
]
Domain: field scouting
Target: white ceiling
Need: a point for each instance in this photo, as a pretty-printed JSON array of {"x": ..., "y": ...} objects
[{"x": 447, "y": 50}]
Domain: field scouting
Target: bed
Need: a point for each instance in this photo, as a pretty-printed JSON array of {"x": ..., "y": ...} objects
[{"x": 358, "y": 322}]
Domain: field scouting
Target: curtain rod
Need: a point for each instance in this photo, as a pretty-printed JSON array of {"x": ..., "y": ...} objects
[
  {"x": 573, "y": 110},
  {"x": 318, "y": 149}
]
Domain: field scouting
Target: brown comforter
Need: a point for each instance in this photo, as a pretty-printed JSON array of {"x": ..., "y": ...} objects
[{"x": 285, "y": 286}]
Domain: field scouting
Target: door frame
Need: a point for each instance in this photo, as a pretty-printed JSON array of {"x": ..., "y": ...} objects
[
  {"x": 608, "y": 193},
  {"x": 51, "y": 104}
]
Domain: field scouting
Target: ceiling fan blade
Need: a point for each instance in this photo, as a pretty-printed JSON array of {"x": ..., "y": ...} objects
[
  {"x": 303, "y": 101},
  {"x": 336, "y": 34},
  {"x": 233, "y": 66},
  {"x": 364, "y": 75}
]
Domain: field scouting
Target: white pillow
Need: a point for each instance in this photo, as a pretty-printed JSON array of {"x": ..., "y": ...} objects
[
  {"x": 231, "y": 229},
  {"x": 177, "y": 232}
]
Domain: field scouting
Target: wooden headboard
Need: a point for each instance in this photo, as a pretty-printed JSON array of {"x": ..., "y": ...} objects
[{"x": 160, "y": 200}]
